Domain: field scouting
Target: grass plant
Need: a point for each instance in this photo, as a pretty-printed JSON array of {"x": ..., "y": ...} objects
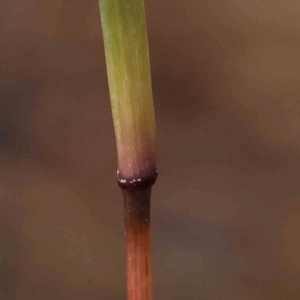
[{"x": 128, "y": 68}]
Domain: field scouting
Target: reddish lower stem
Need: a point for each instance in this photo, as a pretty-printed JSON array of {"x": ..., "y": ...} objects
[{"x": 137, "y": 226}]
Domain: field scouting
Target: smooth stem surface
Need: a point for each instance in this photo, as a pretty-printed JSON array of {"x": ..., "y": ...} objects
[
  {"x": 128, "y": 69},
  {"x": 137, "y": 226}
]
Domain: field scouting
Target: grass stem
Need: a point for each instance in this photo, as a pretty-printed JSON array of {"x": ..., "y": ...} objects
[
  {"x": 129, "y": 78},
  {"x": 137, "y": 225}
]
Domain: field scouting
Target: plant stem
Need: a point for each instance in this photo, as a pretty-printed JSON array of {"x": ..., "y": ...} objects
[
  {"x": 137, "y": 225},
  {"x": 128, "y": 69}
]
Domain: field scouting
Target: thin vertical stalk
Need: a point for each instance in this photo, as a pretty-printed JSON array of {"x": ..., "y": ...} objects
[
  {"x": 128, "y": 69},
  {"x": 137, "y": 225}
]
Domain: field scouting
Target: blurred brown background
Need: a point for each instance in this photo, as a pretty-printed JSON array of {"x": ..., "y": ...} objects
[{"x": 226, "y": 206}]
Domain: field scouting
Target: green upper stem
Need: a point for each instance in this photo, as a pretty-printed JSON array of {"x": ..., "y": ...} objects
[{"x": 128, "y": 68}]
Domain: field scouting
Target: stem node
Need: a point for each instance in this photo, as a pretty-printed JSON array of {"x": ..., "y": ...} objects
[{"x": 137, "y": 183}]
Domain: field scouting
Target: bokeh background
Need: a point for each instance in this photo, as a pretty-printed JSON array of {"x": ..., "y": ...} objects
[{"x": 226, "y": 205}]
